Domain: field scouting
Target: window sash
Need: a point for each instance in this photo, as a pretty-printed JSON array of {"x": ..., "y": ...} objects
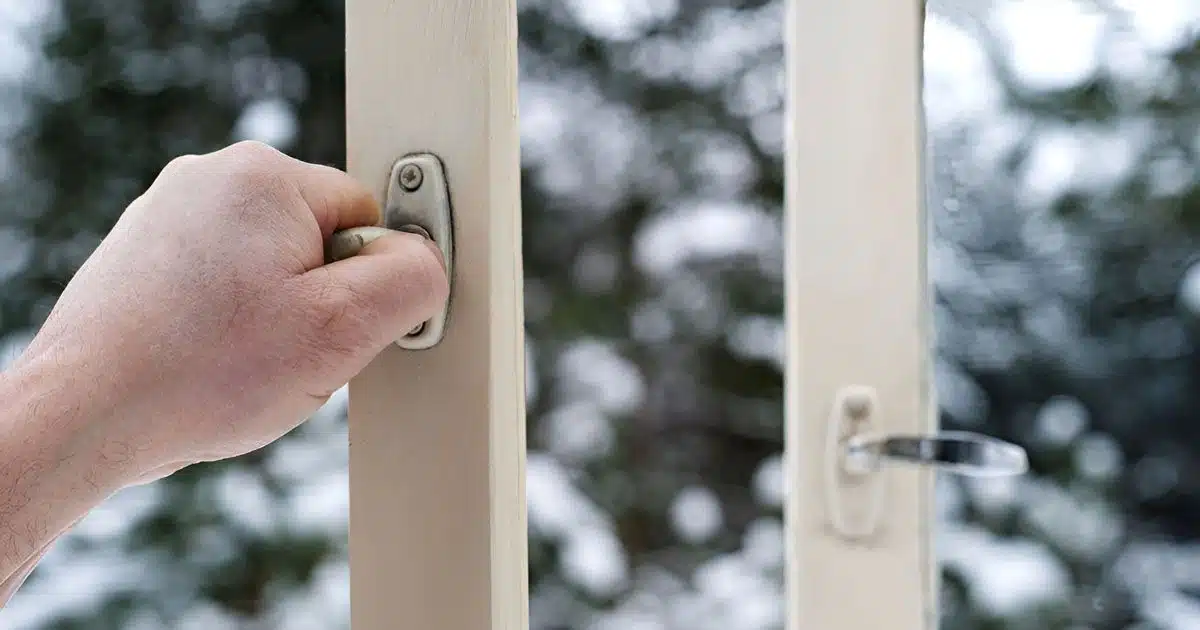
[
  {"x": 437, "y": 525},
  {"x": 437, "y": 436},
  {"x": 856, "y": 309}
]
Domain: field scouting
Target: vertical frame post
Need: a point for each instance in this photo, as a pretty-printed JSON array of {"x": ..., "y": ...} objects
[
  {"x": 856, "y": 308},
  {"x": 437, "y": 436}
]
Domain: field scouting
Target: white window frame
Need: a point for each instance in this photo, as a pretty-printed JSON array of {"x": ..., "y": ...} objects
[
  {"x": 437, "y": 436},
  {"x": 437, "y": 512},
  {"x": 856, "y": 313}
]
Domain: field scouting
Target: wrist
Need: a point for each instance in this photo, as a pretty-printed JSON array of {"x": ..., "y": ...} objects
[
  {"x": 56, "y": 461},
  {"x": 56, "y": 406}
]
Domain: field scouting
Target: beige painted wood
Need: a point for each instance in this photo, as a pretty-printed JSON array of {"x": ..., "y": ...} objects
[
  {"x": 856, "y": 303},
  {"x": 437, "y": 437}
]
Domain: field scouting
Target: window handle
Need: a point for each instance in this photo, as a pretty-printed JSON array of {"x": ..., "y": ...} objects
[
  {"x": 857, "y": 451},
  {"x": 957, "y": 452},
  {"x": 418, "y": 201}
]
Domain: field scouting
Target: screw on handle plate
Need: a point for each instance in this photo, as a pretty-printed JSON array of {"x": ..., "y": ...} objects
[{"x": 417, "y": 201}]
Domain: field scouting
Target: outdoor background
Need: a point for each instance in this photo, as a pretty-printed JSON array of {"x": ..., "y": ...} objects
[{"x": 1065, "y": 197}]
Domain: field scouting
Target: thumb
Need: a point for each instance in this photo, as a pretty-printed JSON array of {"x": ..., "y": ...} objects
[{"x": 394, "y": 283}]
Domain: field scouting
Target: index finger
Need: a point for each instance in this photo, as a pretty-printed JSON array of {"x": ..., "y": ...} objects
[{"x": 336, "y": 199}]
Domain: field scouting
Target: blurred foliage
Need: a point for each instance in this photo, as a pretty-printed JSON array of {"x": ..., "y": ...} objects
[{"x": 652, "y": 186}]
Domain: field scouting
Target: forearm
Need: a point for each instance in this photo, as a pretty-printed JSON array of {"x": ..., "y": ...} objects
[
  {"x": 9, "y": 587},
  {"x": 54, "y": 464}
]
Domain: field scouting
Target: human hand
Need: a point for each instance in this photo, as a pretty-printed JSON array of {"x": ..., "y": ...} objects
[{"x": 206, "y": 324}]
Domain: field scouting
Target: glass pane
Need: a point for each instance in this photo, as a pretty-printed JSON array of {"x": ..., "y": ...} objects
[
  {"x": 1064, "y": 196},
  {"x": 653, "y": 148}
]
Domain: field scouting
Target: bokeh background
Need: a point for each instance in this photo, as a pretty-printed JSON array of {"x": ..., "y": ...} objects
[{"x": 1064, "y": 144}]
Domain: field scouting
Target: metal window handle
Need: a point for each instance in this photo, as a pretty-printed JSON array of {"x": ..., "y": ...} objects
[
  {"x": 958, "y": 452},
  {"x": 418, "y": 201},
  {"x": 856, "y": 451}
]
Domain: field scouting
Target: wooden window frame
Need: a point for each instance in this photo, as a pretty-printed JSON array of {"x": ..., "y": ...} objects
[
  {"x": 857, "y": 311},
  {"x": 437, "y": 436},
  {"x": 437, "y": 508}
]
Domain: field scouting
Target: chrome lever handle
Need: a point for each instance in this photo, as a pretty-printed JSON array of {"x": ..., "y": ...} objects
[
  {"x": 957, "y": 452},
  {"x": 857, "y": 447}
]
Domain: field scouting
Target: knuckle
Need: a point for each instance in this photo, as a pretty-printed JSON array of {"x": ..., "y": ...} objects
[
  {"x": 325, "y": 200},
  {"x": 337, "y": 318},
  {"x": 332, "y": 310},
  {"x": 259, "y": 177},
  {"x": 247, "y": 169},
  {"x": 353, "y": 194},
  {"x": 258, "y": 182},
  {"x": 253, "y": 151},
  {"x": 181, "y": 165},
  {"x": 253, "y": 162}
]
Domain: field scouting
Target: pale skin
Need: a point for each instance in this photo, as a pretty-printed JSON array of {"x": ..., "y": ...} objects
[{"x": 205, "y": 326}]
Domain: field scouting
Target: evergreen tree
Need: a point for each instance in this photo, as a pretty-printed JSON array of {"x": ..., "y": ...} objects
[{"x": 1065, "y": 226}]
